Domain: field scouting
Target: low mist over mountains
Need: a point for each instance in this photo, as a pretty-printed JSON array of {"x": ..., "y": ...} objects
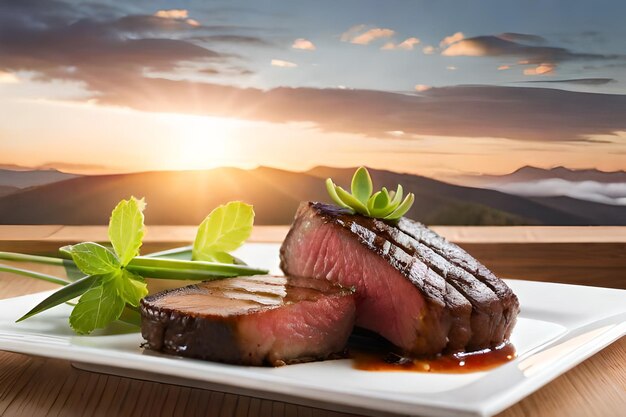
[
  {"x": 186, "y": 197},
  {"x": 581, "y": 184}
]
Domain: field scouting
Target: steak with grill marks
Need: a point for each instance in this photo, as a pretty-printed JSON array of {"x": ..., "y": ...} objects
[{"x": 407, "y": 291}]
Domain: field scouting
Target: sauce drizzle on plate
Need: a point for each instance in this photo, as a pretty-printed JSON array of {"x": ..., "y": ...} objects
[{"x": 482, "y": 360}]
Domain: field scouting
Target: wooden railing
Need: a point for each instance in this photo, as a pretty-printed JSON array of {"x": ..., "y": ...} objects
[{"x": 593, "y": 255}]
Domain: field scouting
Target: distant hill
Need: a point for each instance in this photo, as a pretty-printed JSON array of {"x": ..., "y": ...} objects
[
  {"x": 530, "y": 173},
  {"x": 6, "y": 190},
  {"x": 19, "y": 178},
  {"x": 185, "y": 197}
]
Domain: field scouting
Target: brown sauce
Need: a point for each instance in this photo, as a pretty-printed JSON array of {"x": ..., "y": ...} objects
[{"x": 384, "y": 360}]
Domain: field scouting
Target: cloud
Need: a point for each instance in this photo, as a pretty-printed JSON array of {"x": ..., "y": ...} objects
[
  {"x": 504, "y": 67},
  {"x": 522, "y": 38},
  {"x": 407, "y": 44},
  {"x": 520, "y": 113},
  {"x": 541, "y": 69},
  {"x": 607, "y": 193},
  {"x": 351, "y": 33},
  {"x": 8, "y": 78},
  {"x": 422, "y": 87},
  {"x": 304, "y": 44},
  {"x": 449, "y": 40},
  {"x": 59, "y": 41},
  {"x": 356, "y": 35},
  {"x": 173, "y": 14},
  {"x": 580, "y": 81},
  {"x": 282, "y": 64},
  {"x": 496, "y": 46},
  {"x": 236, "y": 39},
  {"x": 177, "y": 14},
  {"x": 428, "y": 50},
  {"x": 451, "y": 68}
]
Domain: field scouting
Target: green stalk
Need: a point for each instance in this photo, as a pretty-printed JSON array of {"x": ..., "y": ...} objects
[
  {"x": 183, "y": 252},
  {"x": 159, "y": 268},
  {"x": 46, "y": 260},
  {"x": 33, "y": 274},
  {"x": 179, "y": 269}
]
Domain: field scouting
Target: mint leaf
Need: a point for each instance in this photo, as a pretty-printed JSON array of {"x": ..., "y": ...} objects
[
  {"x": 222, "y": 231},
  {"x": 92, "y": 258},
  {"x": 105, "y": 298},
  {"x": 126, "y": 228},
  {"x": 97, "y": 307},
  {"x": 131, "y": 287}
]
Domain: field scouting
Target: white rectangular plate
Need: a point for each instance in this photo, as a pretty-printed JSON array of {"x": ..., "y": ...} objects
[{"x": 559, "y": 326}]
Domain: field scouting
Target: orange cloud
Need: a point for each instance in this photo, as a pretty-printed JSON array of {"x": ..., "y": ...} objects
[
  {"x": 304, "y": 44},
  {"x": 449, "y": 40},
  {"x": 356, "y": 35},
  {"x": 428, "y": 50},
  {"x": 540, "y": 69},
  {"x": 173, "y": 14},
  {"x": 177, "y": 14},
  {"x": 504, "y": 67},
  {"x": 407, "y": 44},
  {"x": 422, "y": 87},
  {"x": 283, "y": 64},
  {"x": 467, "y": 47}
]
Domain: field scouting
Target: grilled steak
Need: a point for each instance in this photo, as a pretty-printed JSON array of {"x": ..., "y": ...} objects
[
  {"x": 459, "y": 257},
  {"x": 409, "y": 290},
  {"x": 260, "y": 320}
]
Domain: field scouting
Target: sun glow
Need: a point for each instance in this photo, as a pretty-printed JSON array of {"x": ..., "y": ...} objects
[{"x": 201, "y": 142}]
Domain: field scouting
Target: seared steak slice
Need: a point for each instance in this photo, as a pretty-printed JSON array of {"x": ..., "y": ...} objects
[
  {"x": 260, "y": 320},
  {"x": 487, "y": 324},
  {"x": 459, "y": 257},
  {"x": 398, "y": 296}
]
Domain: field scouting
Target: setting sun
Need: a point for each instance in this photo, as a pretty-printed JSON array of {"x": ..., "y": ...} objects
[{"x": 203, "y": 142}]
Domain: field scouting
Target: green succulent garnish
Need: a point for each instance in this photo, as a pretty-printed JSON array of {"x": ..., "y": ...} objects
[{"x": 383, "y": 204}]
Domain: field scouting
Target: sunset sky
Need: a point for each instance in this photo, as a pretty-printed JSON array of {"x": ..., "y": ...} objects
[{"x": 435, "y": 88}]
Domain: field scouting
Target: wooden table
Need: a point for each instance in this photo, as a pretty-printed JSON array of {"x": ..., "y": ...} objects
[{"x": 33, "y": 386}]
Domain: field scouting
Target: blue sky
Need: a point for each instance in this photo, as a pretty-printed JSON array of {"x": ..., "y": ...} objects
[{"x": 582, "y": 26}]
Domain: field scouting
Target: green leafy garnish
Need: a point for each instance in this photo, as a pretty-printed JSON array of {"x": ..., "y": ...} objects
[
  {"x": 126, "y": 228},
  {"x": 97, "y": 307},
  {"x": 383, "y": 204},
  {"x": 114, "y": 285},
  {"x": 225, "y": 229},
  {"x": 93, "y": 259}
]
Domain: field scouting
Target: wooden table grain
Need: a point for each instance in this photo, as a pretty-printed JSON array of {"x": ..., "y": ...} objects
[{"x": 34, "y": 386}]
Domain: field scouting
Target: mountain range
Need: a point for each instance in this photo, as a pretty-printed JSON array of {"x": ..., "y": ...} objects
[
  {"x": 530, "y": 173},
  {"x": 18, "y": 177},
  {"x": 186, "y": 197}
]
